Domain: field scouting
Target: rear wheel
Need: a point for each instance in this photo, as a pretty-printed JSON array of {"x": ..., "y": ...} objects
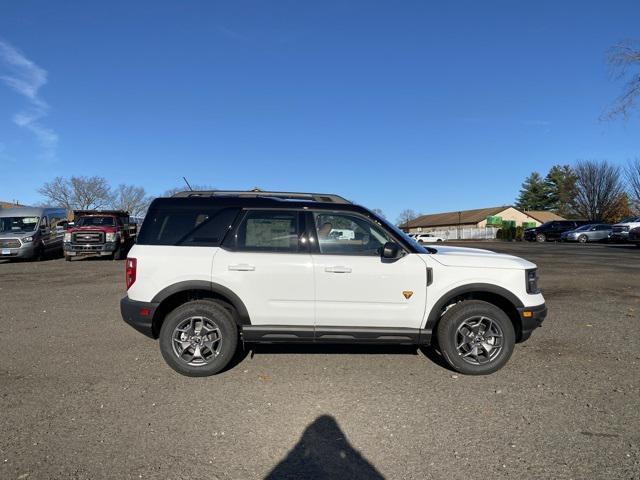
[
  {"x": 476, "y": 337},
  {"x": 583, "y": 239},
  {"x": 198, "y": 338},
  {"x": 541, "y": 237}
]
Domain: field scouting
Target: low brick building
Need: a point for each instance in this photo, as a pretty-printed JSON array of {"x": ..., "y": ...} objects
[{"x": 478, "y": 218}]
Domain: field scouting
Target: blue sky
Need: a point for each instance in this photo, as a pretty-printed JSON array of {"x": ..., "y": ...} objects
[{"x": 426, "y": 105}]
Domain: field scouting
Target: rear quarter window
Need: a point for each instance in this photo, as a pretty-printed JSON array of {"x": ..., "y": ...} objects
[{"x": 204, "y": 227}]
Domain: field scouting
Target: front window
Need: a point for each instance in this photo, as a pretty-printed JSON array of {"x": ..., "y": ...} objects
[
  {"x": 18, "y": 224},
  {"x": 584, "y": 228},
  {"x": 342, "y": 233},
  {"x": 95, "y": 221}
]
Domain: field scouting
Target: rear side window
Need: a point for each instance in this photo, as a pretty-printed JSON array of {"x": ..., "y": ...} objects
[
  {"x": 268, "y": 231},
  {"x": 200, "y": 227}
]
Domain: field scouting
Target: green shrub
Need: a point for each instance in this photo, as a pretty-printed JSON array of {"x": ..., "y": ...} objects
[
  {"x": 519, "y": 232},
  {"x": 499, "y": 234}
]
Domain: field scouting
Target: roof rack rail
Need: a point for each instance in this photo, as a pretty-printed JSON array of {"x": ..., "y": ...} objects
[{"x": 314, "y": 197}]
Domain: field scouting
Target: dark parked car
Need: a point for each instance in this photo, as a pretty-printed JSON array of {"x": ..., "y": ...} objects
[
  {"x": 552, "y": 230},
  {"x": 594, "y": 232},
  {"x": 634, "y": 236}
]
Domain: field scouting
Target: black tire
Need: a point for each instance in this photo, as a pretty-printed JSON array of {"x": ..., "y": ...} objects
[
  {"x": 39, "y": 254},
  {"x": 439, "y": 240},
  {"x": 583, "y": 239},
  {"x": 67, "y": 258},
  {"x": 120, "y": 254},
  {"x": 541, "y": 238},
  {"x": 214, "y": 314},
  {"x": 449, "y": 332}
]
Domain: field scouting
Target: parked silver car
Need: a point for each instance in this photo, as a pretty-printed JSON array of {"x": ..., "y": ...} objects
[{"x": 594, "y": 232}]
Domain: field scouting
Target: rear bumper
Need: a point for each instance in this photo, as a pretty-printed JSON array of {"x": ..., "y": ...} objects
[
  {"x": 531, "y": 318},
  {"x": 139, "y": 315}
]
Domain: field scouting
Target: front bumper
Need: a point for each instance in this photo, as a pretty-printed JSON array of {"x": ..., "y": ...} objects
[
  {"x": 531, "y": 318},
  {"x": 619, "y": 236},
  {"x": 27, "y": 250},
  {"x": 139, "y": 315},
  {"x": 73, "y": 249}
]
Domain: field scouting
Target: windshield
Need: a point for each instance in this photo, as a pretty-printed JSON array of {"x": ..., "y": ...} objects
[
  {"x": 18, "y": 224},
  {"x": 583, "y": 228},
  {"x": 630, "y": 220},
  {"x": 95, "y": 221}
]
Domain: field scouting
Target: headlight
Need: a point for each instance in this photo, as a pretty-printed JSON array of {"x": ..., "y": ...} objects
[
  {"x": 27, "y": 239},
  {"x": 67, "y": 237},
  {"x": 110, "y": 237},
  {"x": 532, "y": 281}
]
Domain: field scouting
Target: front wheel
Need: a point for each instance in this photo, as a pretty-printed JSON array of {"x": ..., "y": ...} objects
[
  {"x": 198, "y": 338},
  {"x": 476, "y": 337},
  {"x": 541, "y": 238},
  {"x": 583, "y": 239}
]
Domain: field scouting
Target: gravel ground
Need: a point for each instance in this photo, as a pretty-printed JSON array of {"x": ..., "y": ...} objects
[{"x": 82, "y": 395}]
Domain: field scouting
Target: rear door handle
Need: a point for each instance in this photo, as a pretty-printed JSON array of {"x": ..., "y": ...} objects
[
  {"x": 338, "y": 269},
  {"x": 242, "y": 267}
]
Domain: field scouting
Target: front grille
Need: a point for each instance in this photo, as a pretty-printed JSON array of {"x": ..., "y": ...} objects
[
  {"x": 9, "y": 243},
  {"x": 88, "y": 237}
]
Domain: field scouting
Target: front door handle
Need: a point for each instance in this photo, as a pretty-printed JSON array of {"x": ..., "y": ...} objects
[
  {"x": 338, "y": 269},
  {"x": 242, "y": 267}
]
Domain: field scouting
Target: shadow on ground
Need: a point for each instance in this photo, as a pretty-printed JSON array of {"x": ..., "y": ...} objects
[{"x": 322, "y": 453}]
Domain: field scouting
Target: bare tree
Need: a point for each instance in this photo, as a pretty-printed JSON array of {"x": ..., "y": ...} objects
[
  {"x": 624, "y": 61},
  {"x": 78, "y": 193},
  {"x": 131, "y": 199},
  {"x": 379, "y": 212},
  {"x": 632, "y": 172},
  {"x": 59, "y": 193},
  {"x": 406, "y": 216},
  {"x": 598, "y": 191}
]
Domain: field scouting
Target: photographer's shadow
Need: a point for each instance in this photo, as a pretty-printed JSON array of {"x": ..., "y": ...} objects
[{"x": 322, "y": 453}]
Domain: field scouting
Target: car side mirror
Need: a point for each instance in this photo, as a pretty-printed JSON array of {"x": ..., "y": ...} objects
[{"x": 391, "y": 251}]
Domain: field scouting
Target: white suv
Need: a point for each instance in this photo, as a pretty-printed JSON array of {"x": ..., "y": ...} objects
[
  {"x": 426, "y": 238},
  {"x": 620, "y": 231},
  {"x": 211, "y": 269}
]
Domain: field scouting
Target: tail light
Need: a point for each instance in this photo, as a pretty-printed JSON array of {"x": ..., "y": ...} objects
[{"x": 130, "y": 272}]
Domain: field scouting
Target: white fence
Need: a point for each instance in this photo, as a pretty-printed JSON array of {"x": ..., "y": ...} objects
[{"x": 465, "y": 233}]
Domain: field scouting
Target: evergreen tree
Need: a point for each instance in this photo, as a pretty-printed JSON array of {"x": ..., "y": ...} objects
[
  {"x": 533, "y": 194},
  {"x": 560, "y": 184}
]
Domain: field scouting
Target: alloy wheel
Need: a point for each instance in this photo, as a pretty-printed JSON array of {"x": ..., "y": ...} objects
[
  {"x": 479, "y": 340},
  {"x": 196, "y": 341}
]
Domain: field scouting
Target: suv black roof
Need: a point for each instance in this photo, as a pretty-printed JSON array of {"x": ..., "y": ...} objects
[
  {"x": 314, "y": 197},
  {"x": 258, "y": 199},
  {"x": 272, "y": 200}
]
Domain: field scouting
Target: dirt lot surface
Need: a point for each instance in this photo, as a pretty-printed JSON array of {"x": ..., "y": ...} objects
[{"x": 83, "y": 395}]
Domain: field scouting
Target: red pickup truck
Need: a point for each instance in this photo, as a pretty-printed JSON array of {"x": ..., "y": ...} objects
[{"x": 108, "y": 233}]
